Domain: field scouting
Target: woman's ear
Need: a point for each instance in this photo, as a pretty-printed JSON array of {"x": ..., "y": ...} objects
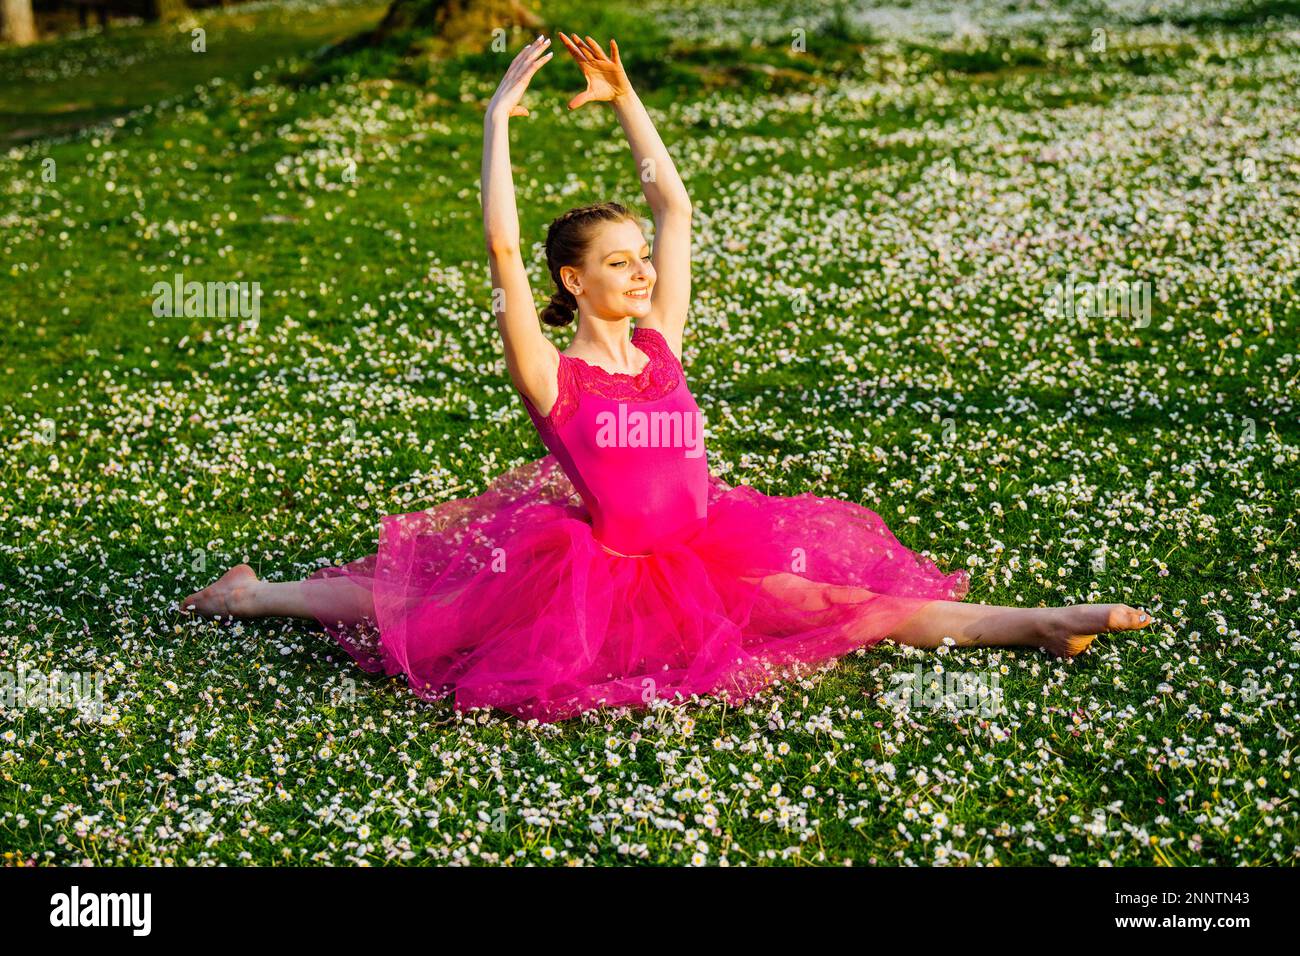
[{"x": 568, "y": 275}]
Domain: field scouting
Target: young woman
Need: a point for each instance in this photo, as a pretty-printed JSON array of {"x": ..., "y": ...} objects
[{"x": 617, "y": 569}]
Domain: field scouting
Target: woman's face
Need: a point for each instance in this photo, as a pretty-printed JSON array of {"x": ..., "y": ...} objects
[{"x": 617, "y": 279}]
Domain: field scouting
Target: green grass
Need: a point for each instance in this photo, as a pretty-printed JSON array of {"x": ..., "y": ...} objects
[
  {"x": 110, "y": 73},
  {"x": 879, "y": 218}
]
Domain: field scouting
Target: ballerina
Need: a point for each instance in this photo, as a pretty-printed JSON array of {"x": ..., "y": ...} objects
[{"x": 617, "y": 569}]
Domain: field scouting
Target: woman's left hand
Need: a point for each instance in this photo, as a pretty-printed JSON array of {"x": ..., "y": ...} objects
[{"x": 605, "y": 78}]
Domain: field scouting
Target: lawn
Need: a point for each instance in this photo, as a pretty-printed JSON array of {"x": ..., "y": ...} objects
[{"x": 887, "y": 199}]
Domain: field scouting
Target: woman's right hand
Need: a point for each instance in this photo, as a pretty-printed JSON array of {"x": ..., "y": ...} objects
[{"x": 505, "y": 101}]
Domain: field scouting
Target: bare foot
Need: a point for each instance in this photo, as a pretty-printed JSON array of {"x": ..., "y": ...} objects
[
  {"x": 1069, "y": 630},
  {"x": 229, "y": 596}
]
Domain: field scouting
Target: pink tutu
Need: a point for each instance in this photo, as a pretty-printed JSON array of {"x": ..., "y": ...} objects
[{"x": 508, "y": 600}]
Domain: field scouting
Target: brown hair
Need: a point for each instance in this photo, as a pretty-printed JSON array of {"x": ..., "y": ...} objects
[{"x": 568, "y": 240}]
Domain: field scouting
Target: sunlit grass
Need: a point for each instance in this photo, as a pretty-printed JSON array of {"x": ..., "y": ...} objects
[{"x": 880, "y": 218}]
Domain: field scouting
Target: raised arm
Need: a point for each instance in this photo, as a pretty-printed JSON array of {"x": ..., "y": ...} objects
[
  {"x": 663, "y": 188},
  {"x": 530, "y": 357}
]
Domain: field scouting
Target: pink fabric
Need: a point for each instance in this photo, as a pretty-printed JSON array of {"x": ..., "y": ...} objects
[{"x": 617, "y": 570}]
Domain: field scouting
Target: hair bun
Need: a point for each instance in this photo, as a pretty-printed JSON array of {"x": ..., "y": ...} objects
[{"x": 558, "y": 312}]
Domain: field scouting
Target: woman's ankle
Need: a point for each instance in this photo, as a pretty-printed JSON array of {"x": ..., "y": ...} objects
[{"x": 247, "y": 600}]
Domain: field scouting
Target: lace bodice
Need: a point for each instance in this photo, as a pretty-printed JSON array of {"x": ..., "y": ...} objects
[
  {"x": 632, "y": 445},
  {"x": 659, "y": 376}
]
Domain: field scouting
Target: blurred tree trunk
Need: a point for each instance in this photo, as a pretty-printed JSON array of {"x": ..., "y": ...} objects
[
  {"x": 465, "y": 25},
  {"x": 167, "y": 10},
  {"x": 17, "y": 26}
]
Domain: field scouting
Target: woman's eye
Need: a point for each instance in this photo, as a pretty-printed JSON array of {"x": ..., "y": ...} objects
[{"x": 646, "y": 258}]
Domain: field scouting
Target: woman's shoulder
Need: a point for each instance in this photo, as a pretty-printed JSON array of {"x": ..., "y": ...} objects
[
  {"x": 565, "y": 387},
  {"x": 649, "y": 335}
]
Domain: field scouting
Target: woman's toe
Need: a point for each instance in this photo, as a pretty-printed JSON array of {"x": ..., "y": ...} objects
[{"x": 1125, "y": 618}]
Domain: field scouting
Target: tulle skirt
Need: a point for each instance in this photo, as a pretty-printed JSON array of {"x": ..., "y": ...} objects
[{"x": 507, "y": 600}]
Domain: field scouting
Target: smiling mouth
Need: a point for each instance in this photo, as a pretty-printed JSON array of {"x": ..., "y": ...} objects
[{"x": 638, "y": 294}]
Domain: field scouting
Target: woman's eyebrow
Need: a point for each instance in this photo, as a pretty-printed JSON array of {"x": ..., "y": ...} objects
[{"x": 625, "y": 252}]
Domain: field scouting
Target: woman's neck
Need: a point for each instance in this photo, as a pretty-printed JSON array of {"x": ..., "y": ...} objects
[{"x": 605, "y": 343}]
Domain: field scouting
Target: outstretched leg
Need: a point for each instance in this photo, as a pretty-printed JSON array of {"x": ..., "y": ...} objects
[
  {"x": 239, "y": 593},
  {"x": 1063, "y": 631}
]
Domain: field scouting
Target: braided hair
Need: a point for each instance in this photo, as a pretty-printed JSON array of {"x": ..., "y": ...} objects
[{"x": 568, "y": 239}]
